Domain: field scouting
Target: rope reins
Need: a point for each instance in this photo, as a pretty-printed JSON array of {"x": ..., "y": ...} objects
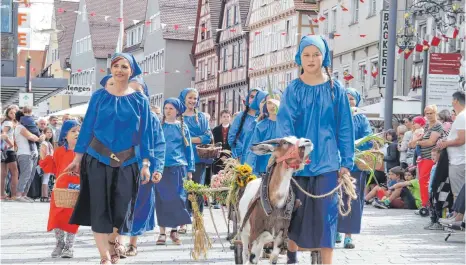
[{"x": 345, "y": 184}]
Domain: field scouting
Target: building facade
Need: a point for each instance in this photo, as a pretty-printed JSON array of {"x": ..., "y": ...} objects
[
  {"x": 205, "y": 57},
  {"x": 275, "y": 31},
  {"x": 167, "y": 42},
  {"x": 356, "y": 30},
  {"x": 233, "y": 42}
]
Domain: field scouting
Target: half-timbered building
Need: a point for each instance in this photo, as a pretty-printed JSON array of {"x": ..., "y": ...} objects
[
  {"x": 275, "y": 31},
  {"x": 233, "y": 42},
  {"x": 204, "y": 56}
]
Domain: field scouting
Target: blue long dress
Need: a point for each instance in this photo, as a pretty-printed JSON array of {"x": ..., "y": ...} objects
[
  {"x": 170, "y": 194},
  {"x": 144, "y": 208},
  {"x": 239, "y": 147},
  {"x": 311, "y": 112},
  {"x": 351, "y": 224},
  {"x": 265, "y": 130}
]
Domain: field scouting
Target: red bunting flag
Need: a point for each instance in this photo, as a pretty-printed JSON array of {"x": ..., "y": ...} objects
[
  {"x": 204, "y": 29},
  {"x": 60, "y": 10},
  {"x": 452, "y": 33},
  {"x": 348, "y": 77},
  {"x": 257, "y": 33},
  {"x": 231, "y": 70},
  {"x": 375, "y": 72},
  {"x": 365, "y": 71},
  {"x": 419, "y": 47},
  {"x": 362, "y": 1},
  {"x": 232, "y": 30},
  {"x": 79, "y": 70},
  {"x": 251, "y": 69},
  {"x": 336, "y": 35},
  {"x": 102, "y": 70},
  {"x": 187, "y": 71},
  {"x": 362, "y": 35},
  {"x": 435, "y": 41},
  {"x": 400, "y": 50},
  {"x": 315, "y": 20},
  {"x": 408, "y": 53},
  {"x": 176, "y": 27},
  {"x": 322, "y": 18},
  {"x": 92, "y": 14},
  {"x": 148, "y": 23},
  {"x": 120, "y": 19},
  {"x": 283, "y": 33},
  {"x": 167, "y": 72},
  {"x": 343, "y": 8}
]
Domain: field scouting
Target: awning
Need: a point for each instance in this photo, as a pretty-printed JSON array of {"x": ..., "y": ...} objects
[
  {"x": 401, "y": 105},
  {"x": 77, "y": 110},
  {"x": 42, "y": 88}
]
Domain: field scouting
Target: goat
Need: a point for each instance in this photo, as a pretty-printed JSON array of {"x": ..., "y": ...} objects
[{"x": 261, "y": 224}]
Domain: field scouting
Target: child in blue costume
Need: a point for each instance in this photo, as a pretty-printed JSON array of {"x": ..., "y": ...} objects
[
  {"x": 266, "y": 129},
  {"x": 200, "y": 132},
  {"x": 242, "y": 126},
  {"x": 118, "y": 119},
  {"x": 351, "y": 224},
  {"x": 179, "y": 164},
  {"x": 144, "y": 219},
  {"x": 317, "y": 108}
]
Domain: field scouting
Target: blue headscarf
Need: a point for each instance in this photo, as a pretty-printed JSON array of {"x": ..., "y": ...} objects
[
  {"x": 353, "y": 92},
  {"x": 140, "y": 81},
  {"x": 67, "y": 126},
  {"x": 255, "y": 104},
  {"x": 185, "y": 92},
  {"x": 104, "y": 80},
  {"x": 180, "y": 108},
  {"x": 132, "y": 62},
  {"x": 317, "y": 41}
]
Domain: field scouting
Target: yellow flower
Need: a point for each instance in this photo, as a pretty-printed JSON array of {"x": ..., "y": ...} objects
[
  {"x": 244, "y": 170},
  {"x": 251, "y": 178},
  {"x": 240, "y": 182}
]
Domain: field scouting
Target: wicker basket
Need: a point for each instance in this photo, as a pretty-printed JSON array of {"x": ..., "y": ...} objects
[
  {"x": 64, "y": 198},
  {"x": 369, "y": 160},
  {"x": 208, "y": 151}
]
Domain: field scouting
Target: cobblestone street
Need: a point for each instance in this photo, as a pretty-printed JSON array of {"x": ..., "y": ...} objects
[{"x": 388, "y": 237}]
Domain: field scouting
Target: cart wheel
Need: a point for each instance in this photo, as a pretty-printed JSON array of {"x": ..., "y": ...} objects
[{"x": 238, "y": 253}]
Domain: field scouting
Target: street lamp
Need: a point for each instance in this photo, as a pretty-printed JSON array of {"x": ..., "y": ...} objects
[{"x": 444, "y": 12}]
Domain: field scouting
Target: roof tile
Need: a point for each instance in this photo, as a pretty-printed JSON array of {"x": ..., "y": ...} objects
[{"x": 65, "y": 22}]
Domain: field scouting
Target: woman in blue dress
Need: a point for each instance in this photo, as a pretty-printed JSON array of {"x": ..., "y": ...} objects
[
  {"x": 144, "y": 219},
  {"x": 244, "y": 123},
  {"x": 179, "y": 164},
  {"x": 117, "y": 120},
  {"x": 200, "y": 132},
  {"x": 317, "y": 108},
  {"x": 351, "y": 224},
  {"x": 265, "y": 129}
]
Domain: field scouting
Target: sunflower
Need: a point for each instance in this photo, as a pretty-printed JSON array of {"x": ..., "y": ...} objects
[
  {"x": 240, "y": 182},
  {"x": 244, "y": 170},
  {"x": 251, "y": 178}
]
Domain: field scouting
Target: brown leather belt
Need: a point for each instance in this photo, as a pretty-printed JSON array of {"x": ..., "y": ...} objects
[{"x": 116, "y": 159}]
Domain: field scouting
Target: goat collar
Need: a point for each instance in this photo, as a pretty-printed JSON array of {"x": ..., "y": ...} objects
[{"x": 293, "y": 152}]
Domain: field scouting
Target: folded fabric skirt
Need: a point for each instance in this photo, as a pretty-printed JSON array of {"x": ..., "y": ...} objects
[
  {"x": 170, "y": 198},
  {"x": 107, "y": 196},
  {"x": 314, "y": 223},
  {"x": 351, "y": 224}
]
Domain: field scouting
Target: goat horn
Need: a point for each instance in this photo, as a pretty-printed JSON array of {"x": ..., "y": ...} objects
[{"x": 271, "y": 141}]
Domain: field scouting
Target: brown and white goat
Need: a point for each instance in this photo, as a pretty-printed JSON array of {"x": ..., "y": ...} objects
[{"x": 289, "y": 155}]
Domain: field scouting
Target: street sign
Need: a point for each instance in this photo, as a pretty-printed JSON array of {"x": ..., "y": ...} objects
[
  {"x": 383, "y": 48},
  {"x": 443, "y": 78},
  {"x": 26, "y": 99}
]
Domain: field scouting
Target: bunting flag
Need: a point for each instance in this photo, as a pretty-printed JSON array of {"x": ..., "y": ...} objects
[
  {"x": 425, "y": 44},
  {"x": 348, "y": 77},
  {"x": 135, "y": 21},
  {"x": 147, "y": 22},
  {"x": 120, "y": 19},
  {"x": 452, "y": 33},
  {"x": 419, "y": 47},
  {"x": 343, "y": 8},
  {"x": 102, "y": 70},
  {"x": 176, "y": 27},
  {"x": 315, "y": 20},
  {"x": 92, "y": 14},
  {"x": 257, "y": 33},
  {"x": 362, "y": 1},
  {"x": 408, "y": 53},
  {"x": 336, "y": 35},
  {"x": 435, "y": 41},
  {"x": 374, "y": 72},
  {"x": 106, "y": 18},
  {"x": 365, "y": 71},
  {"x": 400, "y": 50},
  {"x": 362, "y": 35},
  {"x": 61, "y": 10},
  {"x": 322, "y": 18}
]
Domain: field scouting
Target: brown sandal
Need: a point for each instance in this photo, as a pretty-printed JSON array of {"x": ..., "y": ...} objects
[
  {"x": 175, "y": 237},
  {"x": 114, "y": 258},
  {"x": 162, "y": 240},
  {"x": 105, "y": 261},
  {"x": 132, "y": 250}
]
